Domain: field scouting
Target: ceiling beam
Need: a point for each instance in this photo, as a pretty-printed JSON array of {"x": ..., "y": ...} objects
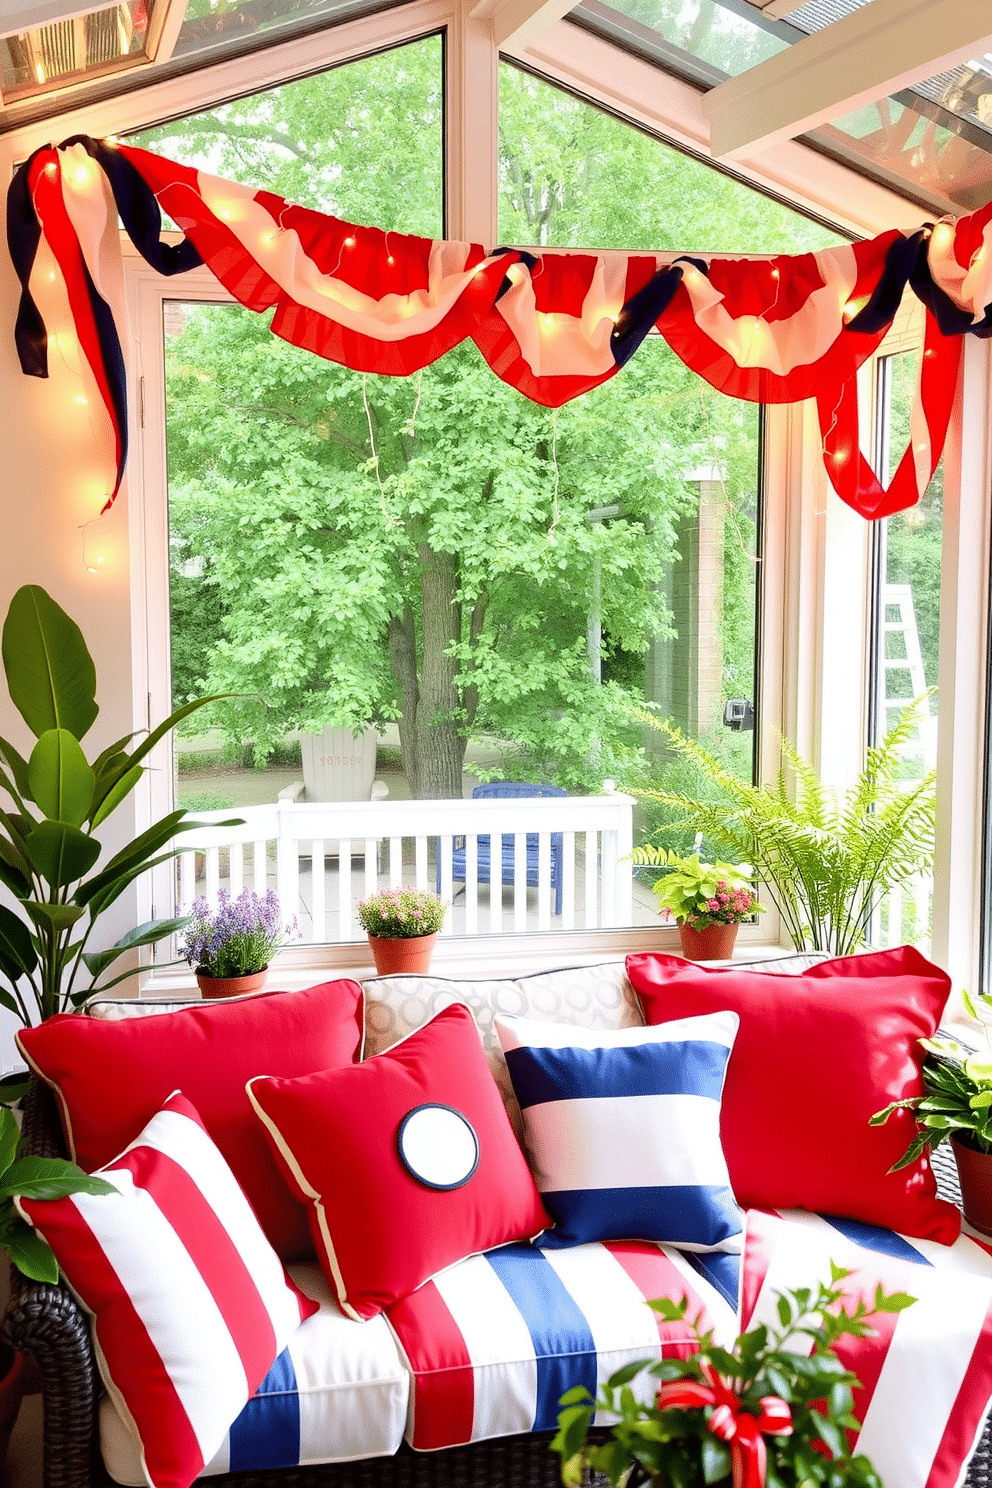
[
  {"x": 523, "y": 21},
  {"x": 874, "y": 51}
]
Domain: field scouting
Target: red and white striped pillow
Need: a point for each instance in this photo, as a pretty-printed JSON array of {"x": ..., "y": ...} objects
[{"x": 190, "y": 1303}]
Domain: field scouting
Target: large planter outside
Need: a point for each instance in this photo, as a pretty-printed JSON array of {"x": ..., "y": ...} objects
[
  {"x": 975, "y": 1174},
  {"x": 236, "y": 986},
  {"x": 714, "y": 943},
  {"x": 339, "y": 765},
  {"x": 396, "y": 957}
]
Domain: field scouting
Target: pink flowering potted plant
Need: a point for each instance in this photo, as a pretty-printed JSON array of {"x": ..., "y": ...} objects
[
  {"x": 402, "y": 926},
  {"x": 707, "y": 900}
]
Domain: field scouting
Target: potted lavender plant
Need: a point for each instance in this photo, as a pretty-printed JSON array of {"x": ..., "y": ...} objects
[{"x": 231, "y": 949}]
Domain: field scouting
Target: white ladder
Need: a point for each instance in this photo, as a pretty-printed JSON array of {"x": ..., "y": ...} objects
[
  {"x": 900, "y": 680},
  {"x": 895, "y": 672}
]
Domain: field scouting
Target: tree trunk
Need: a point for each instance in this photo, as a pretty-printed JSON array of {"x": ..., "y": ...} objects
[
  {"x": 440, "y": 745},
  {"x": 403, "y": 656}
]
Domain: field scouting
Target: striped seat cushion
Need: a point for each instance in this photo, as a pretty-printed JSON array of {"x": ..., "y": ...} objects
[
  {"x": 926, "y": 1373},
  {"x": 623, "y": 1129},
  {"x": 190, "y": 1303},
  {"x": 493, "y": 1342},
  {"x": 337, "y": 1393}
]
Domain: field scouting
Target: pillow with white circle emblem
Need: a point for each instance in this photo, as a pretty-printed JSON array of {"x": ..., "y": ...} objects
[
  {"x": 408, "y": 1165},
  {"x": 438, "y": 1145}
]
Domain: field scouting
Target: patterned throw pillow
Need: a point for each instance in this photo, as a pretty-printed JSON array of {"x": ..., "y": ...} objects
[
  {"x": 190, "y": 1303},
  {"x": 623, "y": 1129},
  {"x": 408, "y": 1162}
]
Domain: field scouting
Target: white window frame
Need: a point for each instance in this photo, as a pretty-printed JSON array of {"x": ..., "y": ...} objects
[{"x": 813, "y": 593}]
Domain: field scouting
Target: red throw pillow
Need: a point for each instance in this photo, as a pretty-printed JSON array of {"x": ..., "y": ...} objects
[
  {"x": 408, "y": 1161},
  {"x": 816, "y": 1055},
  {"x": 111, "y": 1077}
]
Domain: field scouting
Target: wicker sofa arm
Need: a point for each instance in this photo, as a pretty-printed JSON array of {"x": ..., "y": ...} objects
[{"x": 47, "y": 1323}]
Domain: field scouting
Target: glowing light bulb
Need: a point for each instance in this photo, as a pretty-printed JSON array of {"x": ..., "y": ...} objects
[
  {"x": 50, "y": 168},
  {"x": 390, "y": 259},
  {"x": 775, "y": 274},
  {"x": 349, "y": 242}
]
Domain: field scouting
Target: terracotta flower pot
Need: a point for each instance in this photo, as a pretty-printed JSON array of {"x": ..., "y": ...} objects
[
  {"x": 395, "y": 957},
  {"x": 235, "y": 986},
  {"x": 975, "y": 1173},
  {"x": 714, "y": 943}
]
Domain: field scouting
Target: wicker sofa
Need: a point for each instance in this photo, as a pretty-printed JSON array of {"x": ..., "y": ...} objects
[{"x": 47, "y": 1323}]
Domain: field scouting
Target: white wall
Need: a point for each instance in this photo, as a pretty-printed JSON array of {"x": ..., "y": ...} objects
[{"x": 53, "y": 472}]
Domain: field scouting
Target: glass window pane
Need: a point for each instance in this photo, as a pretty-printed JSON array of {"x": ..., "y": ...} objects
[
  {"x": 572, "y": 176},
  {"x": 908, "y": 555},
  {"x": 363, "y": 141},
  {"x": 932, "y": 140},
  {"x": 494, "y": 586},
  {"x": 480, "y": 587},
  {"x": 74, "y": 50}
]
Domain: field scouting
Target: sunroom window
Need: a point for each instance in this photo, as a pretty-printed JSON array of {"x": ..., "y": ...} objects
[
  {"x": 906, "y": 617},
  {"x": 434, "y": 570}
]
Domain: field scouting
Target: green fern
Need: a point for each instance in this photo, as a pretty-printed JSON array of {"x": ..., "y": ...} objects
[{"x": 826, "y": 863}]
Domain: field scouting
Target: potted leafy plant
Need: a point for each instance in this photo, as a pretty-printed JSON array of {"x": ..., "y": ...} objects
[
  {"x": 231, "y": 949},
  {"x": 758, "y": 1411},
  {"x": 402, "y": 927},
  {"x": 49, "y": 843},
  {"x": 40, "y": 1178},
  {"x": 708, "y": 901},
  {"x": 957, "y": 1105},
  {"x": 827, "y": 862}
]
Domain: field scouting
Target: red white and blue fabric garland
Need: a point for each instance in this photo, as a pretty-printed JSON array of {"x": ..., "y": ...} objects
[{"x": 550, "y": 323}]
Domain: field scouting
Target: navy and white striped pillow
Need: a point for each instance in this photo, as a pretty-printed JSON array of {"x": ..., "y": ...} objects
[{"x": 623, "y": 1129}]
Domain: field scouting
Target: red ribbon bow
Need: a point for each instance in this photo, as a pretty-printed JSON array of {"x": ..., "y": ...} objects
[{"x": 730, "y": 1422}]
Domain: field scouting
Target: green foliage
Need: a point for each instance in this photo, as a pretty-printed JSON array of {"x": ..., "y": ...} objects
[
  {"x": 700, "y": 894},
  {"x": 34, "y": 1178},
  {"x": 48, "y": 841},
  {"x": 957, "y": 1099},
  {"x": 827, "y": 863},
  {"x": 372, "y": 548},
  {"x": 656, "y": 1441}
]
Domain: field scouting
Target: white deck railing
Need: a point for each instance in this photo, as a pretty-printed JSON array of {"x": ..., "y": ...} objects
[
  {"x": 322, "y": 857},
  {"x": 905, "y": 914}
]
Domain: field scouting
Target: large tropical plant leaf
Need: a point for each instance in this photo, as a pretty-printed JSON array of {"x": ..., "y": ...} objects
[
  {"x": 61, "y": 781},
  {"x": 60, "y": 853},
  {"x": 142, "y": 935},
  {"x": 17, "y": 954},
  {"x": 50, "y": 673}
]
